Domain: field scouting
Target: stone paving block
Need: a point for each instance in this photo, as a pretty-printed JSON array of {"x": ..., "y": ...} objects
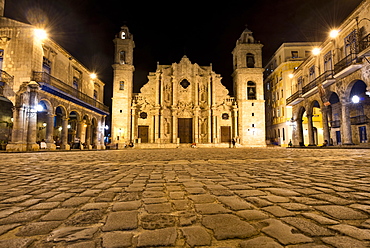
[
  {"x": 26, "y": 216},
  {"x": 275, "y": 198},
  {"x": 308, "y": 227},
  {"x": 95, "y": 206},
  {"x": 320, "y": 219},
  {"x": 58, "y": 214},
  {"x": 122, "y": 220},
  {"x": 126, "y": 206},
  {"x": 8, "y": 211},
  {"x": 260, "y": 242},
  {"x": 16, "y": 199},
  {"x": 227, "y": 226},
  {"x": 352, "y": 231},
  {"x": 195, "y": 191},
  {"x": 157, "y": 221},
  {"x": 234, "y": 202},
  {"x": 204, "y": 198},
  {"x": 70, "y": 234},
  {"x": 44, "y": 205},
  {"x": 87, "y": 244},
  {"x": 160, "y": 237},
  {"x": 258, "y": 202},
  {"x": 332, "y": 199},
  {"x": 6, "y": 228},
  {"x": 85, "y": 218},
  {"x": 252, "y": 215},
  {"x": 153, "y": 194},
  {"x": 310, "y": 201},
  {"x": 117, "y": 239},
  {"x": 16, "y": 243},
  {"x": 282, "y": 192},
  {"x": 187, "y": 218},
  {"x": 155, "y": 200},
  {"x": 177, "y": 195},
  {"x": 292, "y": 206},
  {"x": 75, "y": 201},
  {"x": 344, "y": 242},
  {"x": 158, "y": 208},
  {"x": 196, "y": 236},
  {"x": 284, "y": 233},
  {"x": 38, "y": 228},
  {"x": 249, "y": 193},
  {"x": 211, "y": 208},
  {"x": 278, "y": 211},
  {"x": 342, "y": 212},
  {"x": 180, "y": 204}
]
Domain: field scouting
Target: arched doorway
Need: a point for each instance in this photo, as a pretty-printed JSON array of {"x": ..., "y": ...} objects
[
  {"x": 334, "y": 116},
  {"x": 74, "y": 131},
  {"x": 6, "y": 122},
  {"x": 317, "y": 125},
  {"x": 358, "y": 109}
]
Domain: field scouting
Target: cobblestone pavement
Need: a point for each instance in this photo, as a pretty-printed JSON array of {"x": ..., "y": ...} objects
[{"x": 270, "y": 197}]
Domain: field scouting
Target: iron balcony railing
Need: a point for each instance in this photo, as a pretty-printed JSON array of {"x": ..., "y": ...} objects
[
  {"x": 47, "y": 78},
  {"x": 335, "y": 124},
  {"x": 364, "y": 43},
  {"x": 5, "y": 78},
  {"x": 320, "y": 79},
  {"x": 293, "y": 97},
  {"x": 348, "y": 60},
  {"x": 360, "y": 119}
]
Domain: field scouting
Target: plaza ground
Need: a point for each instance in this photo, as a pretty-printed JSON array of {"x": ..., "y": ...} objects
[{"x": 267, "y": 197}]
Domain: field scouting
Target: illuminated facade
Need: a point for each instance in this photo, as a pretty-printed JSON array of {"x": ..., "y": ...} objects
[
  {"x": 45, "y": 93},
  {"x": 186, "y": 103},
  {"x": 330, "y": 89}
]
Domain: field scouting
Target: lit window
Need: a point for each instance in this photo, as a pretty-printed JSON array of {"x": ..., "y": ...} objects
[{"x": 121, "y": 85}]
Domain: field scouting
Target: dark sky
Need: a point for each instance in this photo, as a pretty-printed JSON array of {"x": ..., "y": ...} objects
[{"x": 165, "y": 31}]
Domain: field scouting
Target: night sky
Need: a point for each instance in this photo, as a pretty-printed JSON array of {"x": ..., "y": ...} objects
[{"x": 205, "y": 32}]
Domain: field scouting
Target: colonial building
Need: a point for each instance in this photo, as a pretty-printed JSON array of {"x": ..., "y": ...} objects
[
  {"x": 278, "y": 76},
  {"x": 331, "y": 87},
  {"x": 45, "y": 93},
  {"x": 185, "y": 103}
]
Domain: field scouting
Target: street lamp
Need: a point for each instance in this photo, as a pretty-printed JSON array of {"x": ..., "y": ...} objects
[
  {"x": 316, "y": 51},
  {"x": 334, "y": 33},
  {"x": 40, "y": 34},
  {"x": 355, "y": 99}
]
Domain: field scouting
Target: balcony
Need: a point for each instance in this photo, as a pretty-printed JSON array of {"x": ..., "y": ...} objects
[
  {"x": 59, "y": 88},
  {"x": 325, "y": 79},
  {"x": 335, "y": 124},
  {"x": 294, "y": 99},
  {"x": 360, "y": 119},
  {"x": 364, "y": 46},
  {"x": 347, "y": 65}
]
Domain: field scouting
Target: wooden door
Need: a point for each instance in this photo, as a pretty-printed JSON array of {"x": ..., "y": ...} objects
[
  {"x": 185, "y": 130},
  {"x": 143, "y": 133},
  {"x": 225, "y": 134}
]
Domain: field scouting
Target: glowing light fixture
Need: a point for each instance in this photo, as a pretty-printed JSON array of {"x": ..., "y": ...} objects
[
  {"x": 93, "y": 76},
  {"x": 316, "y": 51},
  {"x": 355, "y": 99},
  {"x": 39, "y": 108},
  {"x": 334, "y": 33},
  {"x": 40, "y": 34},
  {"x": 291, "y": 75}
]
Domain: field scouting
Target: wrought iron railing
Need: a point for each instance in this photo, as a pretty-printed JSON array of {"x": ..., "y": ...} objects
[
  {"x": 360, "y": 119},
  {"x": 364, "y": 43},
  {"x": 335, "y": 124},
  {"x": 48, "y": 79},
  {"x": 320, "y": 79},
  {"x": 293, "y": 97},
  {"x": 348, "y": 60},
  {"x": 5, "y": 77}
]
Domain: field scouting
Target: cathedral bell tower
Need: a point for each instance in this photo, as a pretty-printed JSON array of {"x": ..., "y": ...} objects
[
  {"x": 248, "y": 90},
  {"x": 123, "y": 71}
]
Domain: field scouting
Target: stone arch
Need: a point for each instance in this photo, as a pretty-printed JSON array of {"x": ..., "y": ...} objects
[
  {"x": 45, "y": 121},
  {"x": 6, "y": 121}
]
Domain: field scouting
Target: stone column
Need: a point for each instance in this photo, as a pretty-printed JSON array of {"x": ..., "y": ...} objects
[
  {"x": 95, "y": 132},
  {"x": 300, "y": 137},
  {"x": 18, "y": 142},
  {"x": 50, "y": 131},
  {"x": 346, "y": 124},
  {"x": 325, "y": 124},
  {"x": 235, "y": 123},
  {"x": 32, "y": 117},
  {"x": 311, "y": 138},
  {"x": 88, "y": 136},
  {"x": 64, "y": 134},
  {"x": 196, "y": 126}
]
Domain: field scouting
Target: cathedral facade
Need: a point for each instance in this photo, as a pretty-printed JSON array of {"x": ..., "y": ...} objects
[{"x": 186, "y": 103}]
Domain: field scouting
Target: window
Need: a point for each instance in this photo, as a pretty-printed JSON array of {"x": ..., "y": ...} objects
[
  {"x": 294, "y": 54},
  {"x": 350, "y": 43},
  {"x": 1, "y": 59},
  {"x": 122, "y": 57},
  {"x": 143, "y": 115},
  {"x": 95, "y": 95},
  {"x": 311, "y": 73},
  {"x": 121, "y": 85},
  {"x": 251, "y": 90},
  {"x": 75, "y": 83},
  {"x": 328, "y": 64},
  {"x": 184, "y": 83},
  {"x": 252, "y": 114},
  {"x": 123, "y": 35},
  {"x": 225, "y": 116},
  {"x": 307, "y": 54},
  {"x": 46, "y": 65},
  {"x": 250, "y": 60}
]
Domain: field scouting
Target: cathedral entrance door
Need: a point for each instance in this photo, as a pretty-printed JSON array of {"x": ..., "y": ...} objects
[
  {"x": 143, "y": 133},
  {"x": 185, "y": 130},
  {"x": 225, "y": 134}
]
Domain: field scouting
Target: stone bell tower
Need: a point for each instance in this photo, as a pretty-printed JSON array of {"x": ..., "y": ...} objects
[
  {"x": 248, "y": 90},
  {"x": 123, "y": 70}
]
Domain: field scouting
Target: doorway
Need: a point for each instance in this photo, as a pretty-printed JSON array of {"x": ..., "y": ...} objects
[
  {"x": 225, "y": 134},
  {"x": 143, "y": 133},
  {"x": 363, "y": 136},
  {"x": 185, "y": 130}
]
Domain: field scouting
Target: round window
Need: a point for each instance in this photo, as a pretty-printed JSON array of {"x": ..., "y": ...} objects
[{"x": 143, "y": 115}]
